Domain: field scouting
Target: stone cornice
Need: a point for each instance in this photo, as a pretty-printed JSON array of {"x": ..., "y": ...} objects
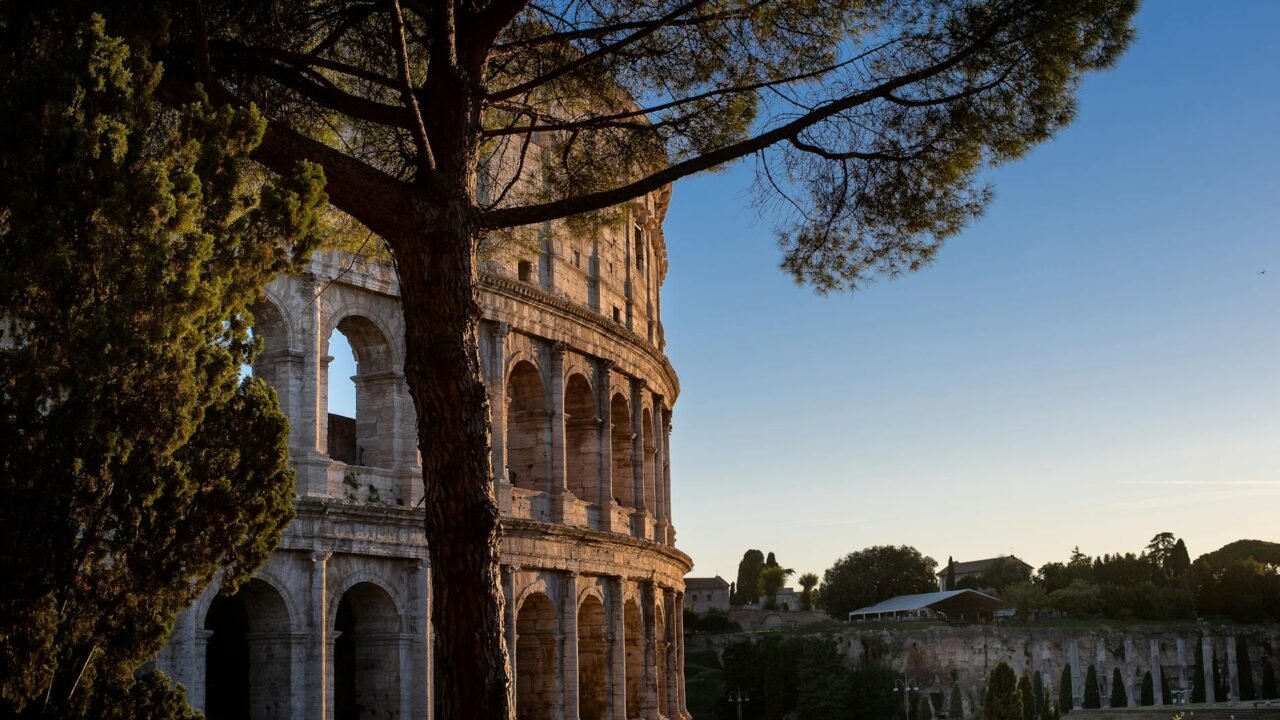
[{"x": 527, "y": 293}]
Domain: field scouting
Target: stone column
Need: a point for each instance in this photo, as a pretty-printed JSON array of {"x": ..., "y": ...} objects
[
  {"x": 509, "y": 624},
  {"x": 1157, "y": 673},
  {"x": 666, "y": 475},
  {"x": 1104, "y": 673},
  {"x": 674, "y": 613},
  {"x": 682, "y": 700},
  {"x": 1206, "y": 646},
  {"x": 1181, "y": 647},
  {"x": 569, "y": 646},
  {"x": 498, "y": 400},
  {"x": 1073, "y": 657},
  {"x": 605, "y": 497},
  {"x": 559, "y": 482},
  {"x": 419, "y": 676},
  {"x": 639, "y": 517},
  {"x": 1233, "y": 671},
  {"x": 1130, "y": 672},
  {"x": 649, "y": 612},
  {"x": 617, "y": 650},
  {"x": 318, "y": 687},
  {"x": 659, "y": 470}
]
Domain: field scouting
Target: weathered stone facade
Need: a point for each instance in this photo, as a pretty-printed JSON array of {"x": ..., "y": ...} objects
[{"x": 337, "y": 623}]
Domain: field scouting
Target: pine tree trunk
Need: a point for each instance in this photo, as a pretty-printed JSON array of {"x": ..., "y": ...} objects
[{"x": 438, "y": 277}]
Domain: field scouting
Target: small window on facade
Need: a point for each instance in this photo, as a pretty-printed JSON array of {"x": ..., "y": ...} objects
[
  {"x": 638, "y": 247},
  {"x": 526, "y": 271},
  {"x": 577, "y": 259},
  {"x": 617, "y": 315}
]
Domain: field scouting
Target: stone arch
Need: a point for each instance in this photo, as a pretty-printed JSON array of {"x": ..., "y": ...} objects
[
  {"x": 528, "y": 429},
  {"x": 248, "y": 656},
  {"x": 593, "y": 657},
  {"x": 622, "y": 435},
  {"x": 537, "y": 661},
  {"x": 582, "y": 438},
  {"x": 633, "y": 632},
  {"x": 368, "y": 439},
  {"x": 366, "y": 654}
]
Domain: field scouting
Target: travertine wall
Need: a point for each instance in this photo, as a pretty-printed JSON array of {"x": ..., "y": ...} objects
[
  {"x": 936, "y": 656},
  {"x": 337, "y": 623}
]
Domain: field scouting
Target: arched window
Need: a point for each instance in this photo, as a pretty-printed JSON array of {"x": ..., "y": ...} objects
[
  {"x": 528, "y": 429},
  {"x": 537, "y": 664},
  {"x": 593, "y": 660},
  {"x": 360, "y": 394},
  {"x": 582, "y": 432},
  {"x": 366, "y": 655},
  {"x": 623, "y": 477},
  {"x": 247, "y": 659},
  {"x": 634, "y": 633}
]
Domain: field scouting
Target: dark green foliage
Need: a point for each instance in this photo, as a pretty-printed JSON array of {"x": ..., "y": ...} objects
[
  {"x": 1004, "y": 572},
  {"x": 877, "y": 573},
  {"x": 1244, "y": 669},
  {"x": 748, "y": 584},
  {"x": 767, "y": 671},
  {"x": 1037, "y": 688},
  {"x": 1238, "y": 581},
  {"x": 1027, "y": 696},
  {"x": 1002, "y": 700},
  {"x": 772, "y": 579},
  {"x": 1119, "y": 697},
  {"x": 1197, "y": 679},
  {"x": 133, "y": 241},
  {"x": 1065, "y": 700},
  {"x": 713, "y": 620},
  {"x": 951, "y": 573},
  {"x": 1092, "y": 695},
  {"x": 1268, "y": 681},
  {"x": 1179, "y": 560},
  {"x": 955, "y": 710},
  {"x": 924, "y": 706},
  {"x": 1148, "y": 689},
  {"x": 824, "y": 682}
]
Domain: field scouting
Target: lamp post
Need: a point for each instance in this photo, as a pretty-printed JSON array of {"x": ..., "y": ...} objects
[
  {"x": 906, "y": 688},
  {"x": 739, "y": 697}
]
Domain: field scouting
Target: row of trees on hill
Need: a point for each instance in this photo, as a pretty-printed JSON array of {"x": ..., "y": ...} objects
[{"x": 762, "y": 578}]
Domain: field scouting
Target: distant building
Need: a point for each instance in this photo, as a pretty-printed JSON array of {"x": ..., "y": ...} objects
[
  {"x": 974, "y": 569},
  {"x": 950, "y": 605},
  {"x": 703, "y": 594}
]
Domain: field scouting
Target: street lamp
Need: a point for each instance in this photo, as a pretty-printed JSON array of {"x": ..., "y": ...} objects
[
  {"x": 739, "y": 697},
  {"x": 906, "y": 688}
]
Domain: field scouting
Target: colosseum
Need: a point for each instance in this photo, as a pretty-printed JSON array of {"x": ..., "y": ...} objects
[{"x": 336, "y": 624}]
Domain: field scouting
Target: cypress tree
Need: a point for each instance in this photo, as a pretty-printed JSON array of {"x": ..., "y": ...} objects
[
  {"x": 1119, "y": 698},
  {"x": 1092, "y": 698},
  {"x": 1037, "y": 687},
  {"x": 1001, "y": 700},
  {"x": 1148, "y": 689},
  {"x": 1197, "y": 680},
  {"x": 1028, "y": 696},
  {"x": 1244, "y": 669},
  {"x": 1065, "y": 700},
  {"x": 1268, "y": 681},
  {"x": 134, "y": 239},
  {"x": 955, "y": 711},
  {"x": 924, "y": 707}
]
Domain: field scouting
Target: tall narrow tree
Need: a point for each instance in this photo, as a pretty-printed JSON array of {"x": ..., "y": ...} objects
[
  {"x": 1119, "y": 697},
  {"x": 1065, "y": 700},
  {"x": 1002, "y": 700},
  {"x": 1092, "y": 695}
]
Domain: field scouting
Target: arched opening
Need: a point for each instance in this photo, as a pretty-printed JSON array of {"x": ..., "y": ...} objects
[
  {"x": 593, "y": 660},
  {"x": 634, "y": 633},
  {"x": 270, "y": 327},
  {"x": 366, "y": 655},
  {"x": 650, "y": 458},
  {"x": 360, "y": 395},
  {"x": 248, "y": 659},
  {"x": 581, "y": 438},
  {"x": 528, "y": 429},
  {"x": 536, "y": 662},
  {"x": 623, "y": 479}
]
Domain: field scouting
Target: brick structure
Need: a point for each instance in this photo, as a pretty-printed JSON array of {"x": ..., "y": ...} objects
[{"x": 336, "y": 624}]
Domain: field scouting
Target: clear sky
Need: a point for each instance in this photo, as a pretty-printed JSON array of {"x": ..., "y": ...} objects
[{"x": 1095, "y": 361}]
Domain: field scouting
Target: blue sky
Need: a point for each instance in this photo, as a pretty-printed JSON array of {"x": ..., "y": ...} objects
[{"x": 1095, "y": 361}]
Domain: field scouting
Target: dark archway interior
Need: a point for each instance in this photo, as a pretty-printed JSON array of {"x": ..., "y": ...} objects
[{"x": 227, "y": 659}]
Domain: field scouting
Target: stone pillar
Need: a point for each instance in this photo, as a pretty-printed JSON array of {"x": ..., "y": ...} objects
[
  {"x": 649, "y": 613},
  {"x": 659, "y": 470},
  {"x": 666, "y": 475},
  {"x": 682, "y": 700},
  {"x": 1181, "y": 647},
  {"x": 639, "y": 517},
  {"x": 1206, "y": 646},
  {"x": 1233, "y": 671},
  {"x": 419, "y": 676},
  {"x": 605, "y": 496},
  {"x": 569, "y": 646},
  {"x": 509, "y": 624},
  {"x": 1104, "y": 673},
  {"x": 1157, "y": 673},
  {"x": 559, "y": 482},
  {"x": 617, "y": 650},
  {"x": 498, "y": 400},
  {"x": 674, "y": 613},
  {"x": 1129, "y": 672},
  {"x": 319, "y": 691}
]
